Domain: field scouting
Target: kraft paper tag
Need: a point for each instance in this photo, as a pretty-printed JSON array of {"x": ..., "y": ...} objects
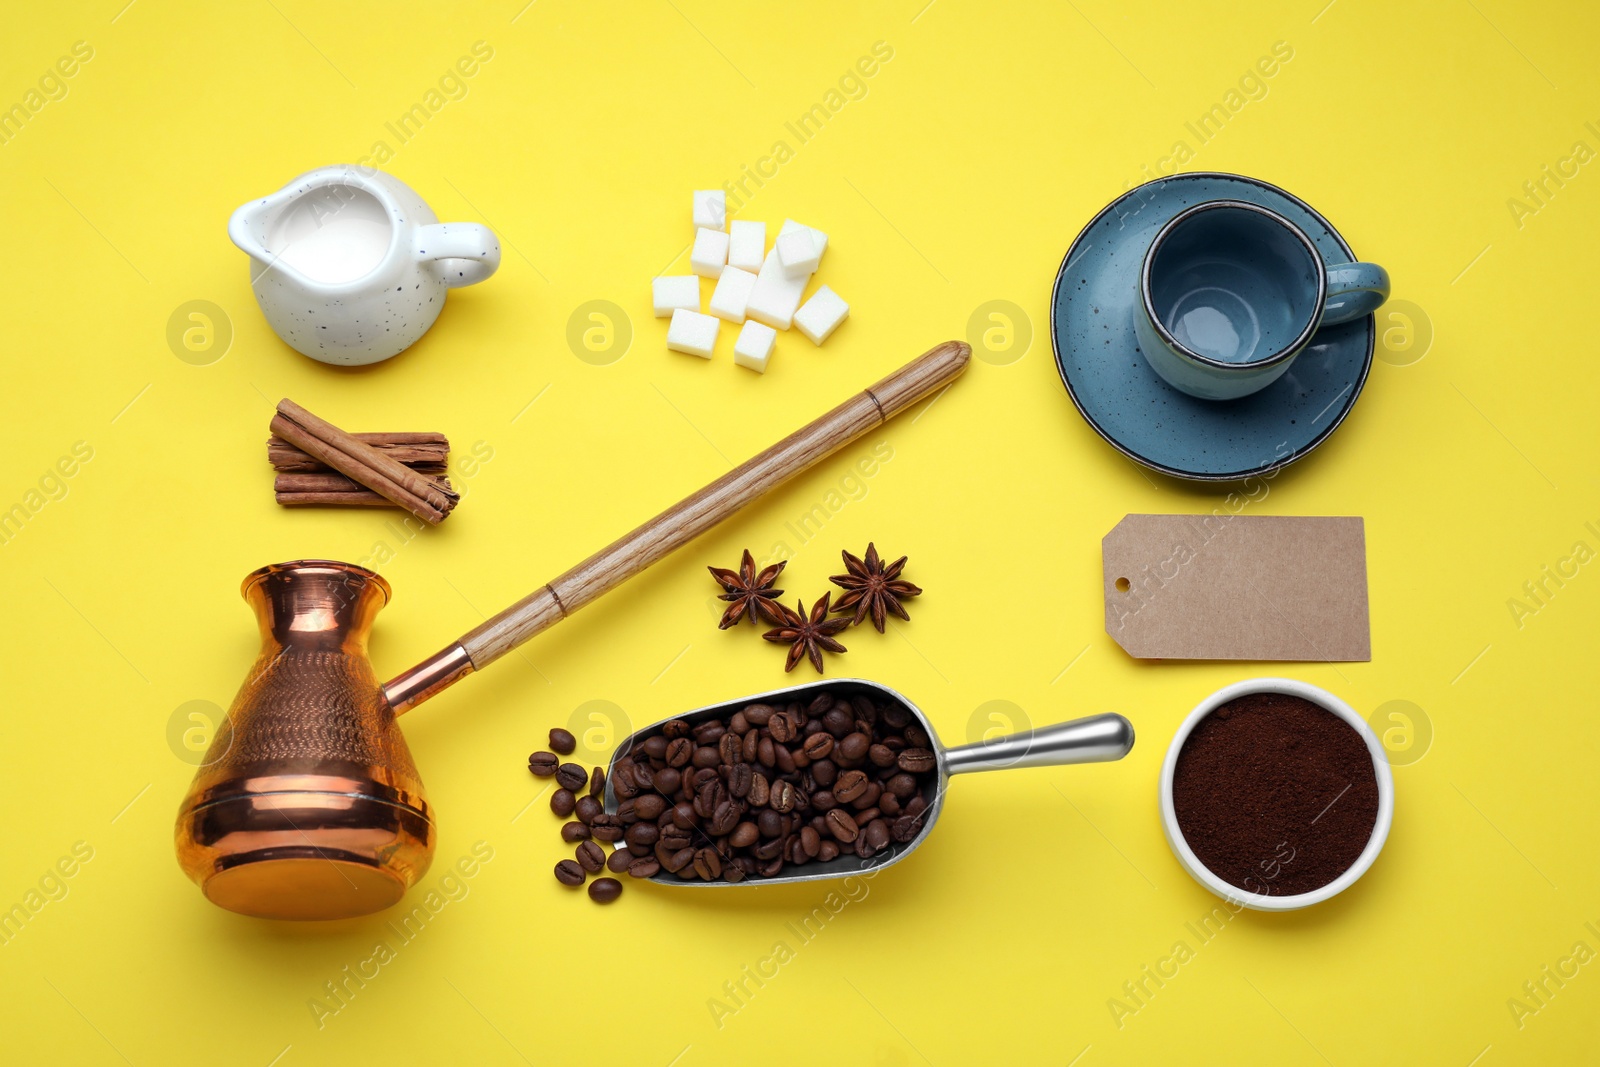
[{"x": 1224, "y": 586}]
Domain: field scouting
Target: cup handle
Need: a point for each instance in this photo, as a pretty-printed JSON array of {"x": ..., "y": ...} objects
[
  {"x": 1354, "y": 290},
  {"x": 471, "y": 252}
]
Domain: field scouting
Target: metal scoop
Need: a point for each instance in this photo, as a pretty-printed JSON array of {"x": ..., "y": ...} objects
[
  {"x": 307, "y": 805},
  {"x": 1096, "y": 739}
]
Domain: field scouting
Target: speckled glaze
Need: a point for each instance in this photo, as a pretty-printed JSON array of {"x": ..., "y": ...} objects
[
  {"x": 1092, "y": 312},
  {"x": 382, "y": 312}
]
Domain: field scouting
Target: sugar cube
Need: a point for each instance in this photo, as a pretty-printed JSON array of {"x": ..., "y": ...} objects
[
  {"x": 791, "y": 226},
  {"x": 732, "y": 294},
  {"x": 675, "y": 291},
  {"x": 693, "y": 333},
  {"x": 797, "y": 251},
  {"x": 821, "y": 315},
  {"x": 710, "y": 209},
  {"x": 747, "y": 243},
  {"x": 754, "y": 346},
  {"x": 776, "y": 295},
  {"x": 710, "y": 253}
]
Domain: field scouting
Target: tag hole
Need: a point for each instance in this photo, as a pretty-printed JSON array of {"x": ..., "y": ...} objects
[{"x": 1123, "y": 585}]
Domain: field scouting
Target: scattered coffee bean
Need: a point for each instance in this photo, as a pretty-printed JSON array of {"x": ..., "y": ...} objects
[
  {"x": 604, "y": 890},
  {"x": 543, "y": 764},
  {"x": 619, "y": 860},
  {"x": 597, "y": 783},
  {"x": 574, "y": 831},
  {"x": 607, "y": 828},
  {"x": 571, "y": 776},
  {"x": 586, "y": 808},
  {"x": 591, "y": 857},
  {"x": 570, "y": 872},
  {"x": 562, "y": 802},
  {"x": 563, "y": 742}
]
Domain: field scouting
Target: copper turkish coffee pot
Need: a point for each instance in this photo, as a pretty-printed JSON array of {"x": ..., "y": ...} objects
[{"x": 308, "y": 805}]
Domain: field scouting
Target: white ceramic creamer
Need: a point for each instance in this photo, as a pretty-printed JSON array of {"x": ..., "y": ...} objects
[{"x": 350, "y": 266}]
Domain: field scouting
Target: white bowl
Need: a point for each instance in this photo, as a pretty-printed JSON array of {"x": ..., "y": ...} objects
[{"x": 1380, "y": 768}]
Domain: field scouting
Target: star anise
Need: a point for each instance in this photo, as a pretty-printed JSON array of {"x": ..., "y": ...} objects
[
  {"x": 808, "y": 636},
  {"x": 873, "y": 589},
  {"x": 749, "y": 594}
]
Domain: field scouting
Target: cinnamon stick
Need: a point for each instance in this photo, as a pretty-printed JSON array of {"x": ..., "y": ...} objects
[
  {"x": 363, "y": 463},
  {"x": 363, "y": 499},
  {"x": 419, "y": 451},
  {"x": 326, "y": 482}
]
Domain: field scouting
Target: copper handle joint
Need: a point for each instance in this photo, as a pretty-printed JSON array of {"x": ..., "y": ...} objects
[{"x": 430, "y": 677}]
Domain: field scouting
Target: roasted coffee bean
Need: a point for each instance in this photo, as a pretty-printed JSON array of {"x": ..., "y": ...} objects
[
  {"x": 759, "y": 714},
  {"x": 643, "y": 776},
  {"x": 644, "y": 867},
  {"x": 769, "y": 849},
  {"x": 679, "y": 752},
  {"x": 795, "y": 851},
  {"x": 739, "y": 778},
  {"x": 618, "y": 861},
  {"x": 881, "y": 755},
  {"x": 819, "y": 705},
  {"x": 824, "y": 772},
  {"x": 841, "y": 825},
  {"x": 868, "y": 798},
  {"x": 782, "y": 728},
  {"x": 759, "y": 791},
  {"x": 739, "y": 724},
  {"x": 624, "y": 784},
  {"x": 811, "y": 841},
  {"x": 744, "y": 835},
  {"x": 597, "y": 783},
  {"x": 828, "y": 851},
  {"x": 571, "y": 776},
  {"x": 628, "y": 813},
  {"x": 770, "y": 823},
  {"x": 823, "y": 800},
  {"x": 587, "y": 808},
  {"x": 674, "y": 729},
  {"x": 654, "y": 747},
  {"x": 725, "y": 817},
  {"x": 849, "y": 786},
  {"x": 877, "y": 834},
  {"x": 817, "y": 746},
  {"x": 838, "y": 721},
  {"x": 705, "y": 757},
  {"x": 570, "y": 872},
  {"x": 902, "y": 785},
  {"x": 917, "y": 737},
  {"x": 708, "y": 864},
  {"x": 607, "y": 828},
  {"x": 917, "y": 760},
  {"x": 783, "y": 796},
  {"x": 905, "y": 828},
  {"x": 864, "y": 817},
  {"x": 591, "y": 857},
  {"x": 683, "y": 816},
  {"x": 853, "y": 748},
  {"x": 889, "y": 804},
  {"x": 642, "y": 836},
  {"x": 767, "y": 752},
  {"x": 675, "y": 837},
  {"x": 730, "y": 749},
  {"x": 895, "y": 717},
  {"x": 604, "y": 890},
  {"x": 574, "y": 831},
  {"x": 562, "y": 741},
  {"x": 562, "y": 802},
  {"x": 709, "y": 732},
  {"x": 783, "y": 760},
  {"x": 751, "y": 746},
  {"x": 676, "y": 861},
  {"x": 649, "y": 807},
  {"x": 543, "y": 764},
  {"x": 667, "y": 780}
]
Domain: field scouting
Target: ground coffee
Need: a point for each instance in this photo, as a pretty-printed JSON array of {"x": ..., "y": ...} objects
[{"x": 1274, "y": 794}]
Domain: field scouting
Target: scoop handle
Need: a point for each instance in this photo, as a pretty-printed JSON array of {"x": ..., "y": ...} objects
[
  {"x": 680, "y": 524},
  {"x": 1096, "y": 739}
]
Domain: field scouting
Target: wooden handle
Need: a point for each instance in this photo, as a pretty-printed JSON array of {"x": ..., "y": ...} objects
[{"x": 693, "y": 516}]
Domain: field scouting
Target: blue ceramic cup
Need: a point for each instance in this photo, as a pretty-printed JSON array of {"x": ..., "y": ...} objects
[{"x": 1231, "y": 292}]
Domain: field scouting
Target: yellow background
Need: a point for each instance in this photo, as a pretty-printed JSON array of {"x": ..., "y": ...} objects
[{"x": 960, "y": 177}]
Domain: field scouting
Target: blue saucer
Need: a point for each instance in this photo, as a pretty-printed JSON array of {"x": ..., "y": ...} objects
[{"x": 1144, "y": 418}]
